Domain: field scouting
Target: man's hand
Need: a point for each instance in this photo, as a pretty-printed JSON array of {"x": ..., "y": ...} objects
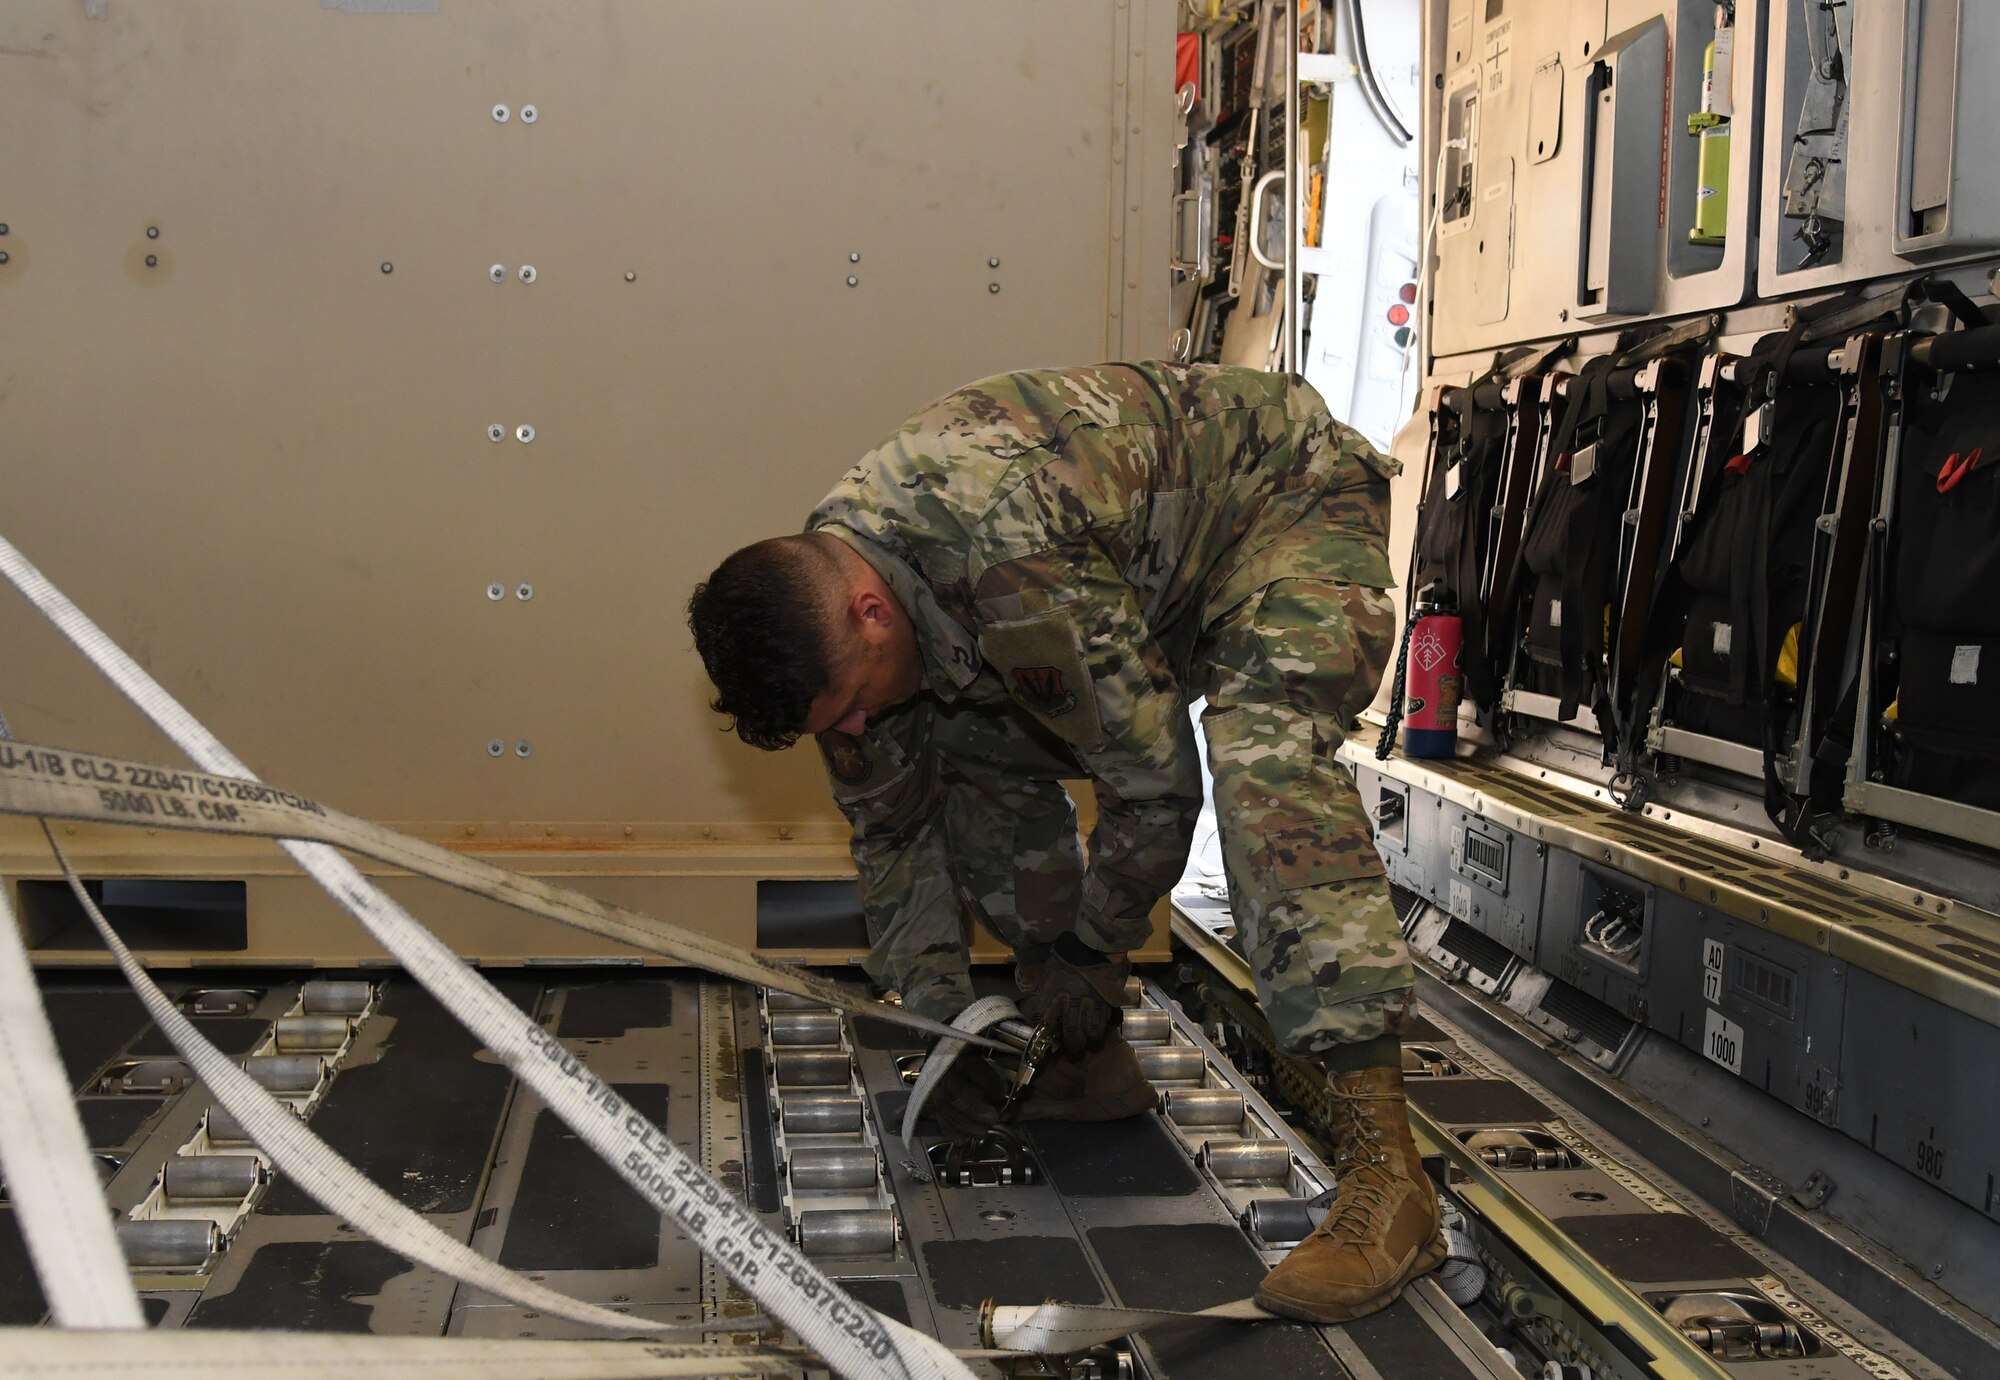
[{"x": 1080, "y": 1002}]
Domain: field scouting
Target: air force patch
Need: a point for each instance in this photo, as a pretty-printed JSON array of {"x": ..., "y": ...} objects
[{"x": 1043, "y": 689}]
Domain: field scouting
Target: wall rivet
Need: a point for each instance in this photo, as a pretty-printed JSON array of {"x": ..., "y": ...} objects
[
  {"x": 527, "y": 273},
  {"x": 853, "y": 281},
  {"x": 496, "y": 433},
  {"x": 524, "y": 433},
  {"x": 992, "y": 287},
  {"x": 388, "y": 267},
  {"x": 630, "y": 276},
  {"x": 529, "y": 114},
  {"x": 854, "y": 256},
  {"x": 523, "y": 748},
  {"x": 152, "y": 261},
  {"x": 4, "y": 256},
  {"x": 3, "y": 227},
  {"x": 496, "y": 591},
  {"x": 494, "y": 748},
  {"x": 152, "y": 232},
  {"x": 993, "y": 263},
  {"x": 500, "y": 114},
  {"x": 524, "y": 592},
  {"x": 498, "y": 273}
]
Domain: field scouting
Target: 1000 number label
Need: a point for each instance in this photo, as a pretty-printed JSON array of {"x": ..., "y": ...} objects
[{"x": 1722, "y": 1041}]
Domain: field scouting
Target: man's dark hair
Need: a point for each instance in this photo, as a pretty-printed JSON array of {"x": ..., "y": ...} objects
[{"x": 759, "y": 623}]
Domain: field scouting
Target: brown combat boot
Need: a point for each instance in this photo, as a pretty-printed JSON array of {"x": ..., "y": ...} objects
[
  {"x": 1104, "y": 1083},
  {"x": 1383, "y": 1229}
]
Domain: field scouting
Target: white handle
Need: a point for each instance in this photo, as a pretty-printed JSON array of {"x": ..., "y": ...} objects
[{"x": 1257, "y": 219}]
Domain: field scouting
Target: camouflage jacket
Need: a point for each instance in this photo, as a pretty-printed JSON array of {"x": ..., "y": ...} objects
[{"x": 1060, "y": 539}]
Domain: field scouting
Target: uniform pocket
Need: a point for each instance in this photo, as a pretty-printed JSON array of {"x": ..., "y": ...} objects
[
  {"x": 1290, "y": 816},
  {"x": 1040, "y": 661}
]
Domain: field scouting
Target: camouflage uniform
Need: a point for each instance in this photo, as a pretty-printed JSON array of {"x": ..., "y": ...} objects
[{"x": 1082, "y": 553}]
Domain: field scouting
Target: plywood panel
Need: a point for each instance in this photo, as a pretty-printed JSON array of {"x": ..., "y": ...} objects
[{"x": 262, "y": 463}]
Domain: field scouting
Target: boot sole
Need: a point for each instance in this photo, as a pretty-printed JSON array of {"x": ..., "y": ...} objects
[{"x": 1426, "y": 1260}]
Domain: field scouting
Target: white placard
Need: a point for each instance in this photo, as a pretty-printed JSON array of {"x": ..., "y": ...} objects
[
  {"x": 1459, "y": 902},
  {"x": 1722, "y": 1041},
  {"x": 1965, "y": 665},
  {"x": 1711, "y": 970}
]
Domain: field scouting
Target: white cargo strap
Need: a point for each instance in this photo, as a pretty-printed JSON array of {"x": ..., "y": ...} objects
[
  {"x": 1060, "y": 1329},
  {"x": 236, "y": 802},
  {"x": 59, "y": 782},
  {"x": 51, "y": 1177},
  {"x": 977, "y": 1018},
  {"x": 295, "y": 1150},
  {"x": 48, "y": 1353},
  {"x": 852, "y": 1339}
]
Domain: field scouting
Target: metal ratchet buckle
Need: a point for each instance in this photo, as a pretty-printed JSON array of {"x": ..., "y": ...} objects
[{"x": 1041, "y": 1043}]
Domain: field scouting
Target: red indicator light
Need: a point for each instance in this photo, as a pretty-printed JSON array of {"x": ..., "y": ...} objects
[
  {"x": 1399, "y": 314},
  {"x": 1408, "y": 292}
]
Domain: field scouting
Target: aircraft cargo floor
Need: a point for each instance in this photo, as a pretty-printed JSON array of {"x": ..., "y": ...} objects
[{"x": 799, "y": 1108}]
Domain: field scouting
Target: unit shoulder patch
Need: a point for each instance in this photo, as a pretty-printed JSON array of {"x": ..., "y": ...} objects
[
  {"x": 1044, "y": 690},
  {"x": 1040, "y": 661}
]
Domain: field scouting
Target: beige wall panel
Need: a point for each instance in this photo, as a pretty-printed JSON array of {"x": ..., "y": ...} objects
[{"x": 262, "y": 464}]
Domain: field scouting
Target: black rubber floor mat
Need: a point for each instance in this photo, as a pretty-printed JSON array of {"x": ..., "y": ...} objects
[
  {"x": 1180, "y": 1266},
  {"x": 230, "y": 1034},
  {"x": 21, "y": 1302},
  {"x": 304, "y": 1286},
  {"x": 605, "y": 1010},
  {"x": 573, "y": 1211},
  {"x": 885, "y": 1296},
  {"x": 1014, "y": 1269},
  {"x": 1400, "y": 1343},
  {"x": 1475, "y": 1101},
  {"x": 1113, "y": 1159},
  {"x": 91, "y": 1025},
  {"x": 420, "y": 1120},
  {"x": 1198, "y": 1266},
  {"x": 1653, "y": 1247},
  {"x": 110, "y": 1123}
]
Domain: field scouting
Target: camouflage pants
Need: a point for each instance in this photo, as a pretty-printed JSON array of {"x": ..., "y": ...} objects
[{"x": 1288, "y": 669}]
